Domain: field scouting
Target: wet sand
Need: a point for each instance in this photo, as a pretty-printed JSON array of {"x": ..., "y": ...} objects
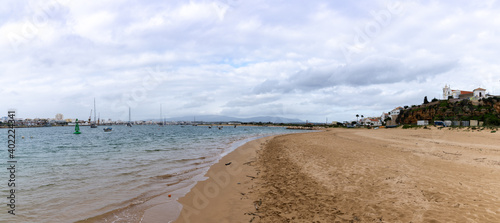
[
  {"x": 226, "y": 196},
  {"x": 354, "y": 175}
]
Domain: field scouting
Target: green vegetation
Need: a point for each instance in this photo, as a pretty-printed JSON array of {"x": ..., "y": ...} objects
[
  {"x": 490, "y": 119},
  {"x": 412, "y": 126},
  {"x": 485, "y": 110},
  {"x": 443, "y": 104}
]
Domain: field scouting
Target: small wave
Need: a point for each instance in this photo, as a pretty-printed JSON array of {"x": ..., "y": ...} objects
[
  {"x": 160, "y": 150},
  {"x": 154, "y": 150},
  {"x": 192, "y": 159},
  {"x": 174, "y": 183},
  {"x": 129, "y": 173},
  {"x": 163, "y": 177},
  {"x": 47, "y": 185}
]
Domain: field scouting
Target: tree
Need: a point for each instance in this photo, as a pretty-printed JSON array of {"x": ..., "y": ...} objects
[
  {"x": 357, "y": 116},
  {"x": 434, "y": 100},
  {"x": 425, "y": 100}
]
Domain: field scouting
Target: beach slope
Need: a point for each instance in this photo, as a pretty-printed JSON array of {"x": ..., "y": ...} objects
[
  {"x": 225, "y": 195},
  {"x": 355, "y": 175}
]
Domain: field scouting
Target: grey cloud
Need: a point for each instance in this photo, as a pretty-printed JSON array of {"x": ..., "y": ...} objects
[
  {"x": 266, "y": 86},
  {"x": 371, "y": 71}
]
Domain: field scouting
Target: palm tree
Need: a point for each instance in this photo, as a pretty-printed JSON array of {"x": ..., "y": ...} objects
[
  {"x": 361, "y": 116},
  {"x": 357, "y": 116}
]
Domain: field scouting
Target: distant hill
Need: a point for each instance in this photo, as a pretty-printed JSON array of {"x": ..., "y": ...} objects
[{"x": 219, "y": 118}]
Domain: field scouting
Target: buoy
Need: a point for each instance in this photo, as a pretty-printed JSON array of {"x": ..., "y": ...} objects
[
  {"x": 77, "y": 128},
  {"x": 169, "y": 195},
  {"x": 23, "y": 137}
]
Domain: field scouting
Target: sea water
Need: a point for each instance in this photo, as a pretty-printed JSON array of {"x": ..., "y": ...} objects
[{"x": 63, "y": 177}]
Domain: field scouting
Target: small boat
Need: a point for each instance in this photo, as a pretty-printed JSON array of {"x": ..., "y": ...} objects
[{"x": 108, "y": 129}]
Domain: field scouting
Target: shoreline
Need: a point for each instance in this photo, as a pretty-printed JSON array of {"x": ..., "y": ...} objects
[
  {"x": 165, "y": 207},
  {"x": 218, "y": 171},
  {"x": 386, "y": 175},
  {"x": 162, "y": 207},
  {"x": 226, "y": 188}
]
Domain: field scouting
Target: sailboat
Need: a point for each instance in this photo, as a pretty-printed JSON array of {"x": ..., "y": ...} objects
[
  {"x": 194, "y": 121},
  {"x": 129, "y": 124},
  {"x": 161, "y": 118},
  {"x": 94, "y": 125}
]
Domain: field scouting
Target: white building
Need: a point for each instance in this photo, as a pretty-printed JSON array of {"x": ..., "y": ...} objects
[
  {"x": 423, "y": 122},
  {"x": 447, "y": 92},
  {"x": 479, "y": 93},
  {"x": 372, "y": 121},
  {"x": 456, "y": 94},
  {"x": 384, "y": 116},
  {"x": 59, "y": 117},
  {"x": 396, "y": 111}
]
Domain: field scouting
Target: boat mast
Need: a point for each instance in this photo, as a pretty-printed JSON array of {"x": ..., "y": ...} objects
[
  {"x": 128, "y": 114},
  {"x": 94, "y": 113},
  {"x": 161, "y": 115}
]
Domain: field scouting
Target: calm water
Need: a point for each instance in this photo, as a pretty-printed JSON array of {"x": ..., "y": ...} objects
[{"x": 62, "y": 177}]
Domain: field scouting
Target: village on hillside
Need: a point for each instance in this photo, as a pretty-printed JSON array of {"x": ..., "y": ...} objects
[{"x": 450, "y": 96}]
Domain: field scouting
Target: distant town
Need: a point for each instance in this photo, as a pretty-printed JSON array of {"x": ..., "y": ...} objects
[
  {"x": 391, "y": 118},
  {"x": 60, "y": 121}
]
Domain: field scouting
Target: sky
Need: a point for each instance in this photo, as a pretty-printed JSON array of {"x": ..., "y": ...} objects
[{"x": 309, "y": 60}]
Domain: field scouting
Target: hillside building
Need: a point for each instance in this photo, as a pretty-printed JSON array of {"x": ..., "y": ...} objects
[{"x": 461, "y": 94}]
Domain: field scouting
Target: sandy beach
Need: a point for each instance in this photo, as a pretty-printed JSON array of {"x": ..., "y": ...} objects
[{"x": 354, "y": 175}]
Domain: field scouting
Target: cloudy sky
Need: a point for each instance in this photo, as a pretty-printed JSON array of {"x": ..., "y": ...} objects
[{"x": 298, "y": 59}]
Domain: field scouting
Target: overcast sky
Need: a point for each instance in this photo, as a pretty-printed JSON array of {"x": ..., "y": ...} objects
[{"x": 297, "y": 59}]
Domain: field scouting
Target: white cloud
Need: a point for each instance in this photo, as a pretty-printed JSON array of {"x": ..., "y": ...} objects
[{"x": 243, "y": 58}]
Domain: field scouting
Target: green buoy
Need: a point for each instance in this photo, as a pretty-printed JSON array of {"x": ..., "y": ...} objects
[{"x": 77, "y": 128}]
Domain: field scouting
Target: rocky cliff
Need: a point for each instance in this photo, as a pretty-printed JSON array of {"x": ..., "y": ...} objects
[{"x": 486, "y": 110}]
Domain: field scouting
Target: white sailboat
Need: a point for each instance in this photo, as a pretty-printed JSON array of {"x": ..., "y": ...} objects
[{"x": 94, "y": 125}]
